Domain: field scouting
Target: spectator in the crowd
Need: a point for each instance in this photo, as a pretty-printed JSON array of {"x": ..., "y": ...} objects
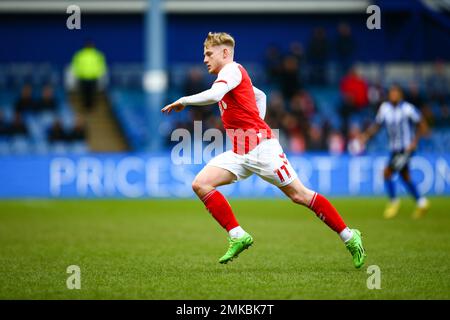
[
  {"x": 289, "y": 77},
  {"x": 275, "y": 110},
  {"x": 295, "y": 135},
  {"x": 438, "y": 84},
  {"x": 25, "y": 102},
  {"x": 315, "y": 139},
  {"x": 88, "y": 66},
  {"x": 376, "y": 95},
  {"x": 296, "y": 109},
  {"x": 345, "y": 47},
  {"x": 18, "y": 126},
  {"x": 443, "y": 118},
  {"x": 78, "y": 132},
  {"x": 194, "y": 82},
  {"x": 57, "y": 133},
  {"x": 303, "y": 104},
  {"x": 272, "y": 62},
  {"x": 297, "y": 51},
  {"x": 414, "y": 96},
  {"x": 336, "y": 142},
  {"x": 354, "y": 92},
  {"x": 354, "y": 89},
  {"x": 354, "y": 145},
  {"x": 318, "y": 55},
  {"x": 47, "y": 102}
]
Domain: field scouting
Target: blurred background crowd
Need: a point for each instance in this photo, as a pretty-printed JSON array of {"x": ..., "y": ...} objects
[
  {"x": 319, "y": 98},
  {"x": 323, "y": 86}
]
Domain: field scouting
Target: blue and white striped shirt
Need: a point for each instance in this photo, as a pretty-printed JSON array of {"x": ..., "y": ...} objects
[{"x": 400, "y": 123}]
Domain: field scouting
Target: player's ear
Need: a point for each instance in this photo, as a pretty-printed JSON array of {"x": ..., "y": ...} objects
[{"x": 226, "y": 52}]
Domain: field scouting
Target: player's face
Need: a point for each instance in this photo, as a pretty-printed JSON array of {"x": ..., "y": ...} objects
[
  {"x": 395, "y": 95},
  {"x": 213, "y": 58}
]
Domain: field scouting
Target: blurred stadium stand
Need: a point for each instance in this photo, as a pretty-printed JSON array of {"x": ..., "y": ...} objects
[
  {"x": 413, "y": 37},
  {"x": 38, "y": 123}
]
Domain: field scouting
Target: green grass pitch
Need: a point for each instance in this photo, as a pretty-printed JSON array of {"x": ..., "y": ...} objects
[{"x": 169, "y": 249}]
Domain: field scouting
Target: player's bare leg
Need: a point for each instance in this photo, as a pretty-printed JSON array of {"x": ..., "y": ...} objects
[
  {"x": 393, "y": 206},
  {"x": 204, "y": 185},
  {"x": 299, "y": 194},
  {"x": 422, "y": 203},
  {"x": 209, "y": 178}
]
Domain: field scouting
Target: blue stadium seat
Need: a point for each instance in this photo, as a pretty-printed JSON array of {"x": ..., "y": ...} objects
[
  {"x": 59, "y": 148},
  {"x": 20, "y": 145},
  {"x": 41, "y": 147},
  {"x": 78, "y": 148}
]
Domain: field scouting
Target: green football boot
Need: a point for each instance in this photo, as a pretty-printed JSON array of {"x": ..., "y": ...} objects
[
  {"x": 354, "y": 245},
  {"x": 237, "y": 245}
]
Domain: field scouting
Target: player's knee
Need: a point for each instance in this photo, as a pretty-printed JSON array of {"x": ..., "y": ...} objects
[
  {"x": 200, "y": 186},
  {"x": 196, "y": 185}
]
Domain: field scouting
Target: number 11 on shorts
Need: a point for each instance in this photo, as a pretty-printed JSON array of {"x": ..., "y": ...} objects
[{"x": 280, "y": 175}]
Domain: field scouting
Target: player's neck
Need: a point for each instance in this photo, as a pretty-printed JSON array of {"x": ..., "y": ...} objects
[
  {"x": 225, "y": 63},
  {"x": 396, "y": 104}
]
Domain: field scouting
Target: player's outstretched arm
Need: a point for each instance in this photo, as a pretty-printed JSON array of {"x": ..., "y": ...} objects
[
  {"x": 375, "y": 127},
  {"x": 207, "y": 97},
  {"x": 369, "y": 133}
]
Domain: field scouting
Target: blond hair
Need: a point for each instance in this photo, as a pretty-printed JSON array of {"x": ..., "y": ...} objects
[{"x": 219, "y": 38}]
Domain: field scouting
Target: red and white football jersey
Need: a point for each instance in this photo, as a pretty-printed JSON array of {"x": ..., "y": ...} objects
[{"x": 240, "y": 114}]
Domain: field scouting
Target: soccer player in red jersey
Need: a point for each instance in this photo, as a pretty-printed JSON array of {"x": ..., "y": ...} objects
[{"x": 255, "y": 150}]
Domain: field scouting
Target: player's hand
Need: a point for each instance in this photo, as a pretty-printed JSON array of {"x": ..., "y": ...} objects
[
  {"x": 412, "y": 147},
  {"x": 177, "y": 106},
  {"x": 362, "y": 139}
]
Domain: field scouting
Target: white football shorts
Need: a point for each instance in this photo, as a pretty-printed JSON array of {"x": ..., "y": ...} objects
[{"x": 267, "y": 160}]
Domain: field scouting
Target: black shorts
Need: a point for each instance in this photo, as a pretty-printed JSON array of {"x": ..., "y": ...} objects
[{"x": 399, "y": 160}]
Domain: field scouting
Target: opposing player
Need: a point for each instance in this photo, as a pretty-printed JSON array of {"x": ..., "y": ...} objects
[
  {"x": 405, "y": 126},
  {"x": 255, "y": 150}
]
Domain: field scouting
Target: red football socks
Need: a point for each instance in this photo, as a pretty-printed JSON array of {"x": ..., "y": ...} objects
[
  {"x": 326, "y": 212},
  {"x": 220, "y": 209}
]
